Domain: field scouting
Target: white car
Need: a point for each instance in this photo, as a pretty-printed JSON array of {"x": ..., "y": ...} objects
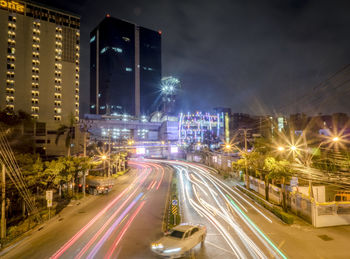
[{"x": 179, "y": 240}]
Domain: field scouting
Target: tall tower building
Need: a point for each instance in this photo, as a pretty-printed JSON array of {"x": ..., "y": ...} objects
[
  {"x": 125, "y": 68},
  {"x": 39, "y": 62}
]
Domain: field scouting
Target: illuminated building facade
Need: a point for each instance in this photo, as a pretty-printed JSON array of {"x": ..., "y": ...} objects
[
  {"x": 40, "y": 63},
  {"x": 201, "y": 128},
  {"x": 125, "y": 68}
]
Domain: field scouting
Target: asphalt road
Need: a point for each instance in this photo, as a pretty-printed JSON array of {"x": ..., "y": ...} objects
[
  {"x": 240, "y": 228},
  {"x": 121, "y": 224},
  {"x": 231, "y": 232}
]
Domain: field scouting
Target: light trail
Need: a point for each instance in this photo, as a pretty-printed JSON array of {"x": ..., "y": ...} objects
[
  {"x": 257, "y": 229},
  {"x": 259, "y": 234},
  {"x": 210, "y": 211},
  {"x": 161, "y": 179},
  {"x": 155, "y": 182},
  {"x": 150, "y": 184},
  {"x": 98, "y": 233},
  {"x": 76, "y": 237},
  {"x": 98, "y": 246},
  {"x": 242, "y": 235},
  {"x": 228, "y": 238},
  {"x": 123, "y": 231},
  {"x": 227, "y": 189},
  {"x": 247, "y": 242}
]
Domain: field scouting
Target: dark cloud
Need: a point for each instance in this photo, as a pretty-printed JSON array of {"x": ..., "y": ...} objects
[{"x": 253, "y": 56}]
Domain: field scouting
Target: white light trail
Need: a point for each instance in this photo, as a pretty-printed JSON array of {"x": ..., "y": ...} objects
[{"x": 211, "y": 212}]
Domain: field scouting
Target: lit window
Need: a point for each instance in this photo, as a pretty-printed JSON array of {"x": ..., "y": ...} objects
[
  {"x": 128, "y": 69},
  {"x": 119, "y": 50},
  {"x": 104, "y": 50}
]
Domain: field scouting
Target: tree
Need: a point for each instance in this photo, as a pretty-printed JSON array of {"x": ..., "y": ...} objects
[
  {"x": 280, "y": 171},
  {"x": 12, "y": 124},
  {"x": 31, "y": 167},
  {"x": 52, "y": 176},
  {"x": 253, "y": 164}
]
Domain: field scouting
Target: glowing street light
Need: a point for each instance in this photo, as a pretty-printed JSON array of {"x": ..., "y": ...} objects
[
  {"x": 293, "y": 148},
  {"x": 103, "y": 157},
  {"x": 280, "y": 148},
  {"x": 335, "y": 139}
]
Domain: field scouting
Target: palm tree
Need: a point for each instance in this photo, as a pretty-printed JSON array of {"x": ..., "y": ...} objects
[{"x": 69, "y": 131}]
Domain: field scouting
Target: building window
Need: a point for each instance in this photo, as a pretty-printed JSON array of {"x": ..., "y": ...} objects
[{"x": 126, "y": 39}]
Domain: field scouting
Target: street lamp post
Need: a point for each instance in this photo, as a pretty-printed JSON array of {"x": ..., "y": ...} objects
[
  {"x": 3, "y": 210},
  {"x": 308, "y": 160}
]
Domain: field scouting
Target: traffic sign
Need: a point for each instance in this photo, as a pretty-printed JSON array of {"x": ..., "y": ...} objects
[
  {"x": 174, "y": 202},
  {"x": 174, "y": 210},
  {"x": 49, "y": 203},
  {"x": 49, "y": 195}
]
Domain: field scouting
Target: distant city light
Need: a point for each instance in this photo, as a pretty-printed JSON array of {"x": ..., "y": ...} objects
[
  {"x": 140, "y": 151},
  {"x": 174, "y": 149}
]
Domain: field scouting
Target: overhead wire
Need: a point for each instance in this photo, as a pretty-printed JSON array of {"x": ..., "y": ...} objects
[{"x": 13, "y": 171}]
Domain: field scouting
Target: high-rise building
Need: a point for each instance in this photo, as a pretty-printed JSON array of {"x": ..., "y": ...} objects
[
  {"x": 125, "y": 68},
  {"x": 40, "y": 64}
]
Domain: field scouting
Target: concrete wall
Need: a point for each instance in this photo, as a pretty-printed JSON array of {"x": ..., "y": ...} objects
[
  {"x": 318, "y": 191},
  {"x": 331, "y": 214}
]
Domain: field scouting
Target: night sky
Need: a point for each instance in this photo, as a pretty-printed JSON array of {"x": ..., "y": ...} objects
[{"x": 253, "y": 56}]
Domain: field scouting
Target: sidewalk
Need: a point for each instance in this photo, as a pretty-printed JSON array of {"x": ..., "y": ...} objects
[
  {"x": 73, "y": 208},
  {"x": 301, "y": 239}
]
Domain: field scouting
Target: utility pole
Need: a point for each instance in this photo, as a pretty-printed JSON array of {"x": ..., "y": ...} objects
[
  {"x": 246, "y": 153},
  {"x": 109, "y": 153},
  {"x": 308, "y": 161},
  {"x": 84, "y": 173},
  {"x": 3, "y": 202},
  {"x": 85, "y": 132},
  {"x": 85, "y": 144}
]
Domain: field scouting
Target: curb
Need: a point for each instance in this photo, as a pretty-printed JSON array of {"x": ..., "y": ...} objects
[
  {"x": 276, "y": 210},
  {"x": 165, "y": 221}
]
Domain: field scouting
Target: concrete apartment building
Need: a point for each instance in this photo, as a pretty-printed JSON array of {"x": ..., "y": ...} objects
[{"x": 39, "y": 60}]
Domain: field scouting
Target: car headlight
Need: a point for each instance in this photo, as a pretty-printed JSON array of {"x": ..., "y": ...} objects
[
  {"x": 173, "y": 250},
  {"x": 157, "y": 246}
]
